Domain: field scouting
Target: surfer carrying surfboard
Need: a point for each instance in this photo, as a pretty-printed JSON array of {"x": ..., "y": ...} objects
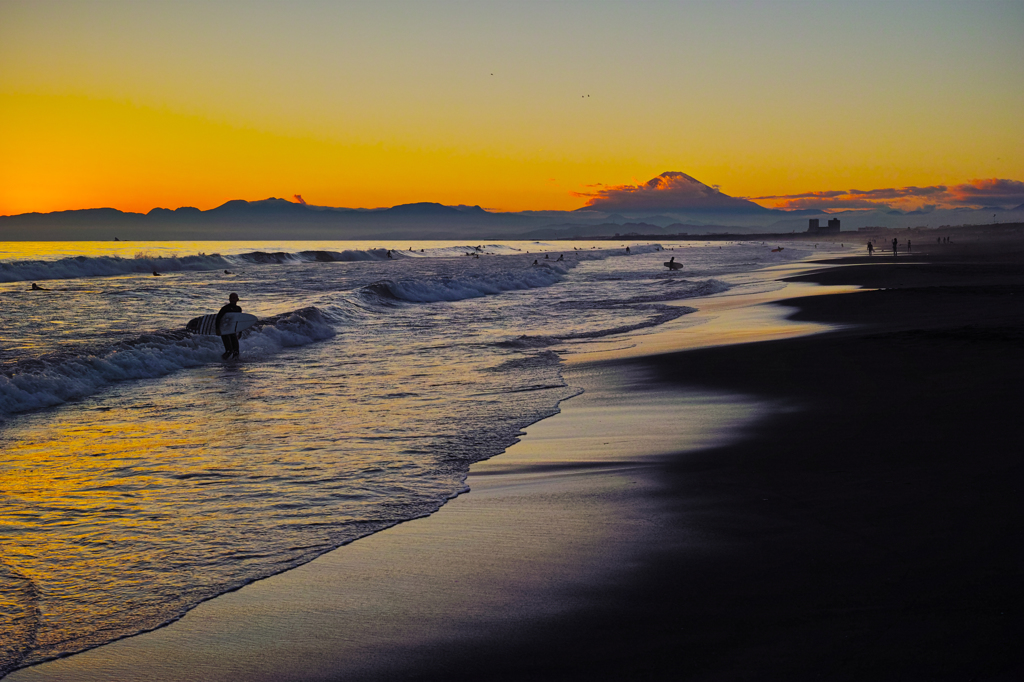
[{"x": 230, "y": 340}]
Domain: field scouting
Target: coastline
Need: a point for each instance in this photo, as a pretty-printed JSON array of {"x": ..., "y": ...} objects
[{"x": 843, "y": 534}]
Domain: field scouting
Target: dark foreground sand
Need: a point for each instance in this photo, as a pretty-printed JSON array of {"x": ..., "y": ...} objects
[{"x": 843, "y": 506}]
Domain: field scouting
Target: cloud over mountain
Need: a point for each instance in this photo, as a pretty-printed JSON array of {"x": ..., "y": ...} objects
[
  {"x": 671, "y": 191},
  {"x": 973, "y": 194}
]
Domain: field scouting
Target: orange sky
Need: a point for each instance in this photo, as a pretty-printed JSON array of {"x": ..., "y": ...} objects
[{"x": 511, "y": 106}]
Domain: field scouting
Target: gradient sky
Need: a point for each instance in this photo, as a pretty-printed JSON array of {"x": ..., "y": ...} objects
[{"x": 141, "y": 104}]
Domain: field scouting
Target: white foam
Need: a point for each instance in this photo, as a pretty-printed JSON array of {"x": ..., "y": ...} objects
[
  {"x": 103, "y": 266},
  {"x": 461, "y": 288},
  {"x": 55, "y": 380}
]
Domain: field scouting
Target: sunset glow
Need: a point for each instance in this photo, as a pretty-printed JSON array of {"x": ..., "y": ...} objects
[
  {"x": 511, "y": 340},
  {"x": 508, "y": 106}
]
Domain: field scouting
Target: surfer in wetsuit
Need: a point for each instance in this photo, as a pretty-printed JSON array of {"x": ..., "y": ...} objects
[{"x": 230, "y": 340}]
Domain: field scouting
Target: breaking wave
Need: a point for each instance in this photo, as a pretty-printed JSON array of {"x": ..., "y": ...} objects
[
  {"x": 60, "y": 377},
  {"x": 112, "y": 266},
  {"x": 461, "y": 288},
  {"x": 104, "y": 266}
]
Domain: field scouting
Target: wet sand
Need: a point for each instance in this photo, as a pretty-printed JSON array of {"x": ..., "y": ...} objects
[{"x": 841, "y": 506}]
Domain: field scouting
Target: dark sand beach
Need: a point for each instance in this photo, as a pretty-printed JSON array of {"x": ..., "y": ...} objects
[{"x": 840, "y": 506}]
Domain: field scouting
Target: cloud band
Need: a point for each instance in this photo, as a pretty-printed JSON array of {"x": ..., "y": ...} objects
[{"x": 974, "y": 194}]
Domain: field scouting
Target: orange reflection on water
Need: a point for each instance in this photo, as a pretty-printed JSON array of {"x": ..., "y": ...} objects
[{"x": 72, "y": 492}]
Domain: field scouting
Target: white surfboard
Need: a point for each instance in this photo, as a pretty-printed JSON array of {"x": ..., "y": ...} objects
[
  {"x": 230, "y": 323},
  {"x": 672, "y": 265}
]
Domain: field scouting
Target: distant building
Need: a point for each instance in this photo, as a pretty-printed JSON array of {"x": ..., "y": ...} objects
[{"x": 814, "y": 227}]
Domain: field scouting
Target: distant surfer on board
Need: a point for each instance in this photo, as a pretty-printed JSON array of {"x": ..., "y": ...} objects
[
  {"x": 36, "y": 287},
  {"x": 230, "y": 340}
]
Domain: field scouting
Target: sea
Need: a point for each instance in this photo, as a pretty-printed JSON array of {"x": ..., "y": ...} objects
[{"x": 142, "y": 474}]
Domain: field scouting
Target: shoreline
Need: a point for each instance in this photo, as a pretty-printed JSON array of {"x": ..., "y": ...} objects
[
  {"x": 512, "y": 551},
  {"x": 842, "y": 534}
]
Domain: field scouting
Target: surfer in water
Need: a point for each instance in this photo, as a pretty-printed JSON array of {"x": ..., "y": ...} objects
[
  {"x": 230, "y": 340},
  {"x": 36, "y": 287}
]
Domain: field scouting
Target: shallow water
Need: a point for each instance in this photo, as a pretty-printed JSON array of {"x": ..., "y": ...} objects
[{"x": 142, "y": 474}]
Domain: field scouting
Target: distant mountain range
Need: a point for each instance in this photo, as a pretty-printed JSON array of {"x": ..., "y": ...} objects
[
  {"x": 268, "y": 219},
  {"x": 698, "y": 209}
]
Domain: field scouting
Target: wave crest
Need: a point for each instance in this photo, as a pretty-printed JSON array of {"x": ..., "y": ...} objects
[
  {"x": 61, "y": 377},
  {"x": 461, "y": 288},
  {"x": 104, "y": 266}
]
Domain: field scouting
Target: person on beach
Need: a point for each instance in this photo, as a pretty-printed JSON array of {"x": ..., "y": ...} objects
[
  {"x": 871, "y": 249},
  {"x": 909, "y": 248},
  {"x": 230, "y": 340},
  {"x": 894, "y": 247}
]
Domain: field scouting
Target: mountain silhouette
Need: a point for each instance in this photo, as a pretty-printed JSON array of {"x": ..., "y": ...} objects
[
  {"x": 671, "y": 203},
  {"x": 424, "y": 209},
  {"x": 672, "y": 192}
]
